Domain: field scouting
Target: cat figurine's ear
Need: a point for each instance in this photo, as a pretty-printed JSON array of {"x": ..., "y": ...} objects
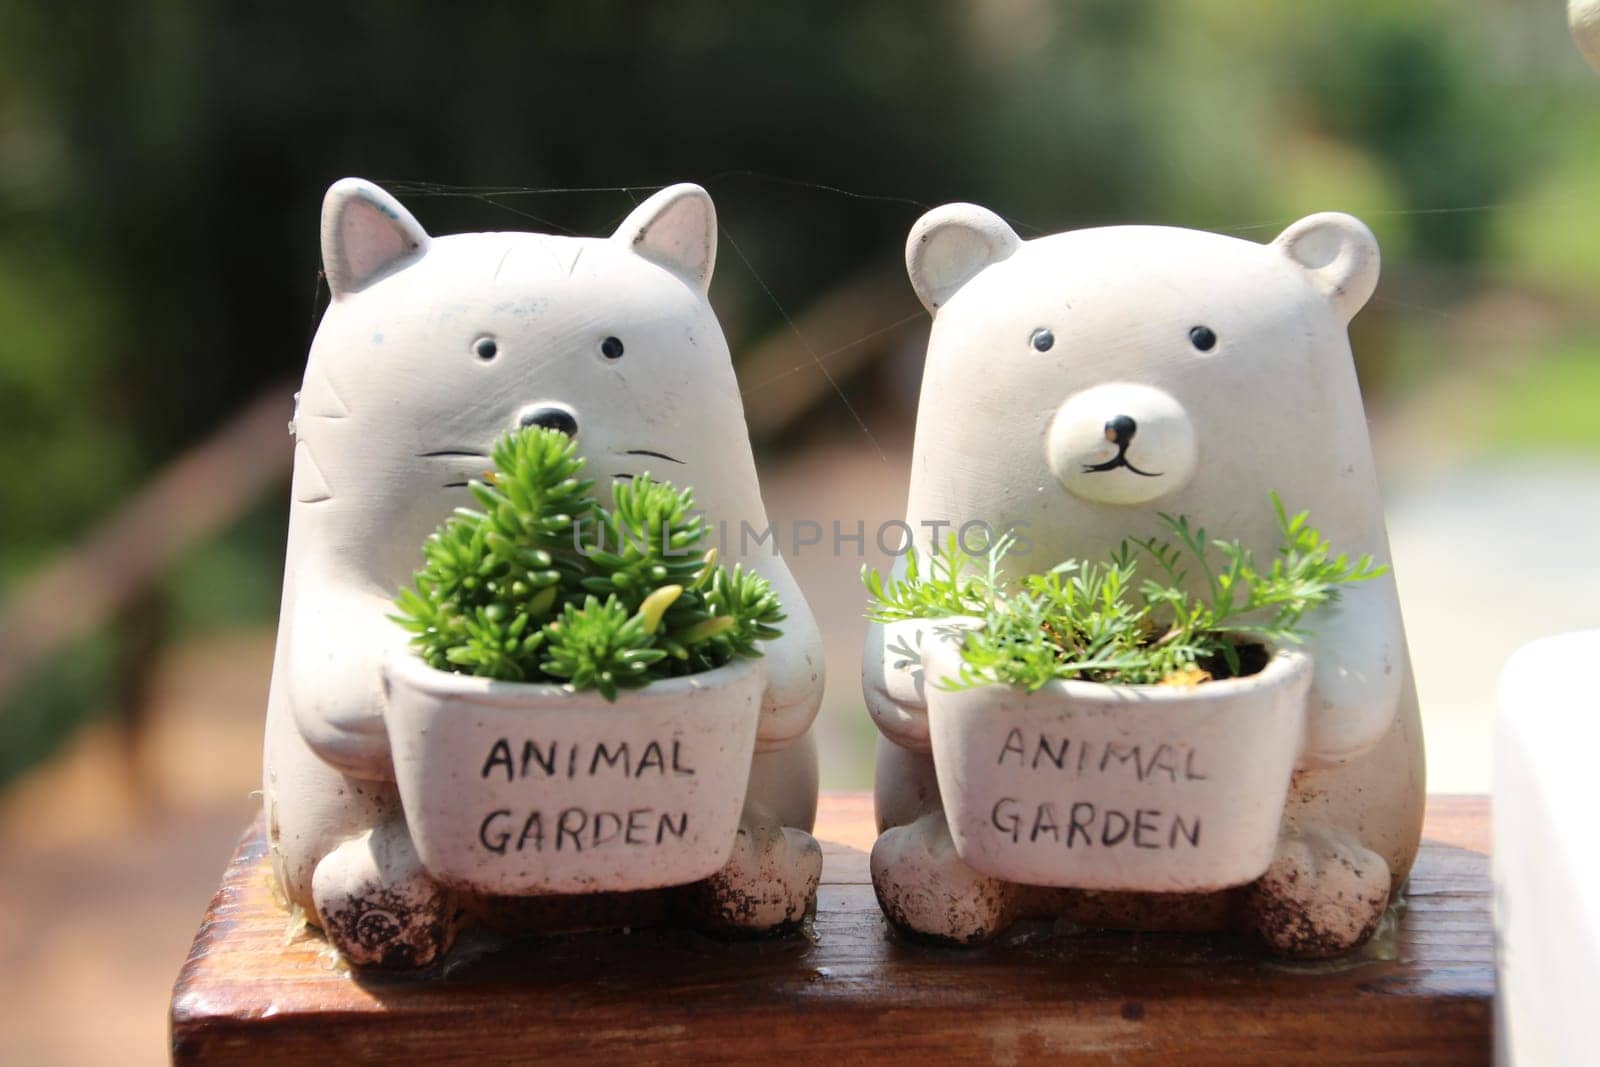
[
  {"x": 366, "y": 235},
  {"x": 676, "y": 229}
]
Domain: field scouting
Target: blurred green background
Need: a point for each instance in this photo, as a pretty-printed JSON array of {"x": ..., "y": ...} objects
[{"x": 162, "y": 166}]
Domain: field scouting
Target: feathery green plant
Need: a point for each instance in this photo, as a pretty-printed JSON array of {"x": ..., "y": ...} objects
[
  {"x": 1103, "y": 622},
  {"x": 545, "y": 584}
]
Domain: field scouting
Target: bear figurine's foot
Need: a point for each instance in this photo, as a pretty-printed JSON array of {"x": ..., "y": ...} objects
[
  {"x": 1322, "y": 896},
  {"x": 378, "y": 906},
  {"x": 925, "y": 888},
  {"x": 769, "y": 884}
]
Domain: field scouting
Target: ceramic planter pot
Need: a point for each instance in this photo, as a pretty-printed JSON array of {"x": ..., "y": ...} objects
[
  {"x": 1111, "y": 787},
  {"x": 513, "y": 788}
]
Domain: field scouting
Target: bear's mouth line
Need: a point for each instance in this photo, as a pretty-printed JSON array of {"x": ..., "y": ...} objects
[{"x": 1118, "y": 462}]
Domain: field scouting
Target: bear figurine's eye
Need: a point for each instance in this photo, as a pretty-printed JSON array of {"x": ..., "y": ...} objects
[
  {"x": 485, "y": 348},
  {"x": 1203, "y": 338},
  {"x": 1042, "y": 339},
  {"x": 611, "y": 348}
]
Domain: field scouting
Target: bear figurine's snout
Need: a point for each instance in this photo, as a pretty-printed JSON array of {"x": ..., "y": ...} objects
[
  {"x": 1122, "y": 444},
  {"x": 550, "y": 416}
]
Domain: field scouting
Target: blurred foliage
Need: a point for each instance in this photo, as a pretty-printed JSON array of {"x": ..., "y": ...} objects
[
  {"x": 231, "y": 580},
  {"x": 56, "y": 701},
  {"x": 1548, "y": 403},
  {"x": 1550, "y": 236},
  {"x": 163, "y": 162},
  {"x": 162, "y": 165},
  {"x": 1425, "y": 103}
]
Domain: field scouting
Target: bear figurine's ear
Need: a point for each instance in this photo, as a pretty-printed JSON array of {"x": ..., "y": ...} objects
[
  {"x": 948, "y": 247},
  {"x": 1339, "y": 255},
  {"x": 365, "y": 235},
  {"x": 677, "y": 229}
]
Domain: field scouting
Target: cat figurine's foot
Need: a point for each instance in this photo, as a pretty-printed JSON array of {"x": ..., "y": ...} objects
[
  {"x": 378, "y": 906},
  {"x": 769, "y": 883}
]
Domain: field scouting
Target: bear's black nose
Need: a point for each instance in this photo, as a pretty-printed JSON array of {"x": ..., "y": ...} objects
[
  {"x": 1120, "y": 430},
  {"x": 550, "y": 417}
]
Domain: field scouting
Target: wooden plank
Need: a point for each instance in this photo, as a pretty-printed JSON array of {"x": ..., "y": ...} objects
[{"x": 852, "y": 992}]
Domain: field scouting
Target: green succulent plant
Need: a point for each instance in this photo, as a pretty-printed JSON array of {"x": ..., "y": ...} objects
[
  {"x": 543, "y": 583},
  {"x": 646, "y": 541},
  {"x": 1106, "y": 622}
]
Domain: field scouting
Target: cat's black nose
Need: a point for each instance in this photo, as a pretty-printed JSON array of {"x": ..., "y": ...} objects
[
  {"x": 1120, "y": 430},
  {"x": 551, "y": 417}
]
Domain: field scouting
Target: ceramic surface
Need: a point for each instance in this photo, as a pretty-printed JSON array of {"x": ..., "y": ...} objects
[
  {"x": 514, "y": 788},
  {"x": 1546, "y": 866},
  {"x": 430, "y": 350},
  {"x": 1584, "y": 18},
  {"x": 1090, "y": 786},
  {"x": 1079, "y": 385}
]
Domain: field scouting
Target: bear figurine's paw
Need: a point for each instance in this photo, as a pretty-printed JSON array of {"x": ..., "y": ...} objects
[
  {"x": 925, "y": 888},
  {"x": 1323, "y": 896},
  {"x": 378, "y": 906},
  {"x": 768, "y": 885}
]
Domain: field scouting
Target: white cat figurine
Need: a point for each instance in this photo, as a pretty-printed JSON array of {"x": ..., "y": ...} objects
[{"x": 431, "y": 349}]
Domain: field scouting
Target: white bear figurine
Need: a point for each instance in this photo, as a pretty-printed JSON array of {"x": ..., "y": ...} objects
[
  {"x": 431, "y": 349},
  {"x": 1078, "y": 385}
]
